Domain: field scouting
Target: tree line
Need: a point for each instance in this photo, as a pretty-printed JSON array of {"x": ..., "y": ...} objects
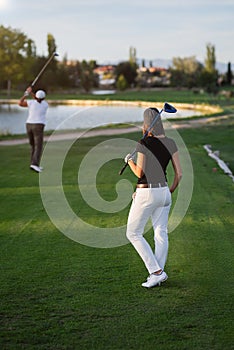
[{"x": 20, "y": 63}]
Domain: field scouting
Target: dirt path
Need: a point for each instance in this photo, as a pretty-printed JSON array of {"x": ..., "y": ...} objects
[{"x": 184, "y": 124}]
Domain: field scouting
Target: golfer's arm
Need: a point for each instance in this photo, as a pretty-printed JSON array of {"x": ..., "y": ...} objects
[
  {"x": 177, "y": 171},
  {"x": 137, "y": 168},
  {"x": 23, "y": 102}
]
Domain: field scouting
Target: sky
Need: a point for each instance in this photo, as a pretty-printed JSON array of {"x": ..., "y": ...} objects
[{"x": 104, "y": 30}]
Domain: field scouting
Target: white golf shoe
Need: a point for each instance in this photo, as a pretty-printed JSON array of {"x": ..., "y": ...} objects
[
  {"x": 154, "y": 280},
  {"x": 35, "y": 168}
]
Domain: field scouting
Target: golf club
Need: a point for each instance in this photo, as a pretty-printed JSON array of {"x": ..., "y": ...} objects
[
  {"x": 166, "y": 108},
  {"x": 43, "y": 68}
]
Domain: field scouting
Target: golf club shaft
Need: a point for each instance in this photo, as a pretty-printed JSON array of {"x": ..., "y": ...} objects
[
  {"x": 144, "y": 136},
  {"x": 123, "y": 168},
  {"x": 43, "y": 69}
]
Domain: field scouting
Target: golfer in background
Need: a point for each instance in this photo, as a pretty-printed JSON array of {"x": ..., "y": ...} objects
[
  {"x": 37, "y": 108},
  {"x": 152, "y": 198}
]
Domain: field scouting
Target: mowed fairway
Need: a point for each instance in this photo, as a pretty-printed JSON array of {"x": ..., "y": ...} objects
[{"x": 59, "y": 294}]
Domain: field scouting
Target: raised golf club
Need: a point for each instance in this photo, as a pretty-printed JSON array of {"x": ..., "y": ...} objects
[
  {"x": 44, "y": 68},
  {"x": 166, "y": 108}
]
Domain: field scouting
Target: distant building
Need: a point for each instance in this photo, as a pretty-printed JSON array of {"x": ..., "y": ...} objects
[
  {"x": 152, "y": 76},
  {"x": 106, "y": 76}
]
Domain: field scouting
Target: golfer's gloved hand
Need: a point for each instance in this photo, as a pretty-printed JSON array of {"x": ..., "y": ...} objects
[
  {"x": 28, "y": 91},
  {"x": 128, "y": 157}
]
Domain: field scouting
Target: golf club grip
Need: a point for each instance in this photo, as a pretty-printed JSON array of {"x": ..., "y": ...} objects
[{"x": 123, "y": 168}]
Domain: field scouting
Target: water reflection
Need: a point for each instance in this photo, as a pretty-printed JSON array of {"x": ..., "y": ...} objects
[{"x": 13, "y": 117}]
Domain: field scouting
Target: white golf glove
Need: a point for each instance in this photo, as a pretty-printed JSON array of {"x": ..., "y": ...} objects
[
  {"x": 128, "y": 157},
  {"x": 28, "y": 91}
]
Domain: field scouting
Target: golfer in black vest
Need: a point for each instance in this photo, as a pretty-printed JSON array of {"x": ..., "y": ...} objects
[{"x": 152, "y": 198}]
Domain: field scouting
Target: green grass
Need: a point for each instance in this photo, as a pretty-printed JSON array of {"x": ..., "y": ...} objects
[
  {"x": 154, "y": 95},
  {"x": 148, "y": 95},
  {"x": 58, "y": 294}
]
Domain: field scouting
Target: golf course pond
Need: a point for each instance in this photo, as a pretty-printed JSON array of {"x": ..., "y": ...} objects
[{"x": 71, "y": 115}]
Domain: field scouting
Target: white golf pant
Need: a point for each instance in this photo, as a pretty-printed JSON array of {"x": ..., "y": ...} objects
[{"x": 149, "y": 203}]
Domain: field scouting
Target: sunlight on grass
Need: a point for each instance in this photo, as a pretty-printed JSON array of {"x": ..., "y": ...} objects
[{"x": 58, "y": 294}]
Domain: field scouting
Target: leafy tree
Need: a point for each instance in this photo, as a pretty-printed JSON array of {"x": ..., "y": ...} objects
[
  {"x": 87, "y": 77},
  {"x": 132, "y": 55},
  {"x": 121, "y": 83},
  {"x": 63, "y": 74},
  {"x": 128, "y": 70},
  {"x": 31, "y": 49},
  {"x": 51, "y": 44},
  {"x": 29, "y": 61},
  {"x": 50, "y": 78},
  {"x": 229, "y": 74},
  {"x": 93, "y": 64},
  {"x": 51, "y": 72},
  {"x": 210, "y": 60},
  {"x": 185, "y": 71},
  {"x": 209, "y": 74},
  {"x": 74, "y": 73},
  {"x": 15, "y": 47}
]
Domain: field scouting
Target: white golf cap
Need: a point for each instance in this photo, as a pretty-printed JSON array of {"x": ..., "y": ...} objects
[{"x": 40, "y": 94}]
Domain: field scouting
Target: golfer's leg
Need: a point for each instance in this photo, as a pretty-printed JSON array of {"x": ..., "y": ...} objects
[
  {"x": 38, "y": 140},
  {"x": 137, "y": 219},
  {"x": 160, "y": 223},
  {"x": 31, "y": 140}
]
